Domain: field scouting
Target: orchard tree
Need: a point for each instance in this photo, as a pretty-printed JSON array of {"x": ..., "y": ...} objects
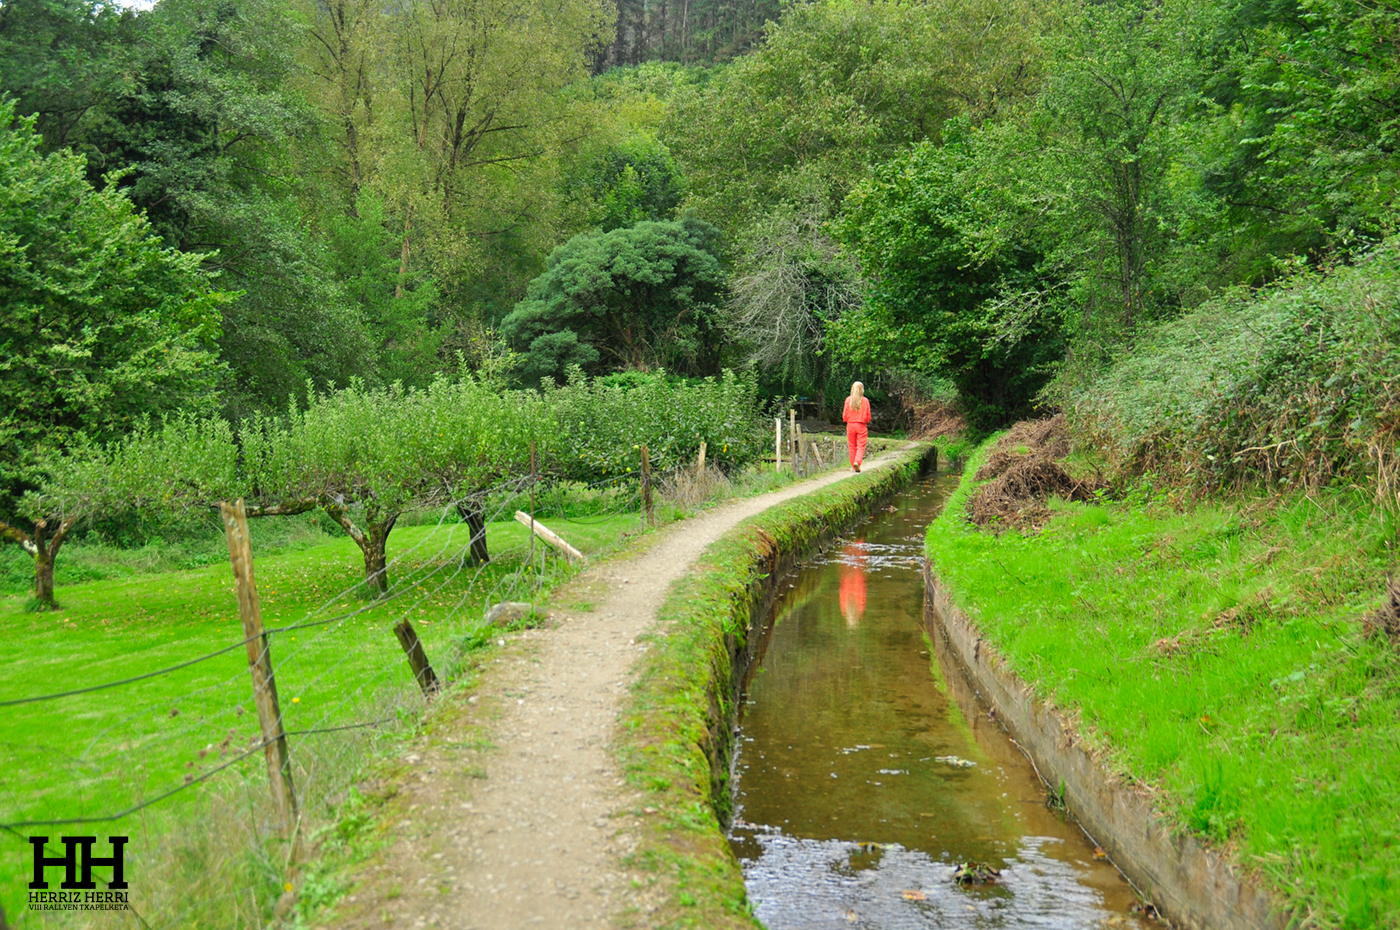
[
  {"x": 640, "y": 297},
  {"x": 601, "y": 423},
  {"x": 365, "y": 456},
  {"x": 100, "y": 327}
]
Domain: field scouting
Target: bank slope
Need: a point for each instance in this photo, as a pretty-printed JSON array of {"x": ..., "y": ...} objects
[{"x": 1215, "y": 655}]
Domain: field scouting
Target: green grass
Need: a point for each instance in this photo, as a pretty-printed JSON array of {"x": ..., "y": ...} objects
[
  {"x": 1216, "y": 652},
  {"x": 97, "y": 753},
  {"x": 207, "y": 856}
]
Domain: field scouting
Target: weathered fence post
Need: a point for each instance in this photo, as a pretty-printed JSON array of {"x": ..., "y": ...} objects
[
  {"x": 700, "y": 460},
  {"x": 534, "y": 476},
  {"x": 792, "y": 437},
  {"x": 777, "y": 443},
  {"x": 549, "y": 536},
  {"x": 646, "y": 486},
  {"x": 417, "y": 658},
  {"x": 279, "y": 759}
]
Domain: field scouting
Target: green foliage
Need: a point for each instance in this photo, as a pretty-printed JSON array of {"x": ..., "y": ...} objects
[
  {"x": 1214, "y": 652},
  {"x": 838, "y": 86},
  {"x": 602, "y": 423},
  {"x": 640, "y": 297},
  {"x": 1314, "y": 121},
  {"x": 1295, "y": 384},
  {"x": 1101, "y": 146},
  {"x": 62, "y": 60},
  {"x": 945, "y": 298},
  {"x": 397, "y": 309},
  {"x": 630, "y": 182},
  {"x": 100, "y": 324}
]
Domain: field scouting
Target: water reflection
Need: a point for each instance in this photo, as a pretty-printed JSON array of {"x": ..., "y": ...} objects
[
  {"x": 853, "y": 569},
  {"x": 867, "y": 771}
]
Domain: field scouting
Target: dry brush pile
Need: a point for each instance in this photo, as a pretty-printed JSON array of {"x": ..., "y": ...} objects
[{"x": 1022, "y": 473}]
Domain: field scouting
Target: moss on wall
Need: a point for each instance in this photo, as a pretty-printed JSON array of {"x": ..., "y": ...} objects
[{"x": 678, "y": 726}]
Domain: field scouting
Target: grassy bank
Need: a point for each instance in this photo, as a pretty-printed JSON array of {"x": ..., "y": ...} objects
[
  {"x": 1215, "y": 651},
  {"x": 676, "y": 743}
]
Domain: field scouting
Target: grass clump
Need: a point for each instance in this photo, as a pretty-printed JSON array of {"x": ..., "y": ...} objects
[{"x": 1219, "y": 655}]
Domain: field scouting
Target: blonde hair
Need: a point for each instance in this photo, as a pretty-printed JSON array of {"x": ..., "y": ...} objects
[{"x": 857, "y": 393}]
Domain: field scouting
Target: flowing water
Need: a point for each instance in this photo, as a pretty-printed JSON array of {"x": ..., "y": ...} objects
[{"x": 868, "y": 772}]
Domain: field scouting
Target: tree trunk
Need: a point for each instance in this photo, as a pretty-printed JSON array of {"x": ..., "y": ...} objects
[
  {"x": 473, "y": 514},
  {"x": 45, "y": 553},
  {"x": 43, "y": 580},
  {"x": 376, "y": 569},
  {"x": 372, "y": 543}
]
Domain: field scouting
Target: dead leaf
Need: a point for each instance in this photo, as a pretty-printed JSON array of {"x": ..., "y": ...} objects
[
  {"x": 915, "y": 896},
  {"x": 1099, "y": 853}
]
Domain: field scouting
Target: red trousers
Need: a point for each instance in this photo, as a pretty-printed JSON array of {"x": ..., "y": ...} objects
[{"x": 856, "y": 434}]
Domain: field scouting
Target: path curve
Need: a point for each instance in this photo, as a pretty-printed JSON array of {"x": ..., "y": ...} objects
[{"x": 531, "y": 831}]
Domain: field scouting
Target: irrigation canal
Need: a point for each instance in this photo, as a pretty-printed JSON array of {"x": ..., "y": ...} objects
[{"x": 868, "y": 773}]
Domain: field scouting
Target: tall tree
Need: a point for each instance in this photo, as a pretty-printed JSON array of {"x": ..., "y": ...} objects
[
  {"x": 101, "y": 325},
  {"x": 63, "y": 59},
  {"x": 635, "y": 298}
]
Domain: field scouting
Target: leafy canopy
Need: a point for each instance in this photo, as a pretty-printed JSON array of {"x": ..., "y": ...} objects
[
  {"x": 101, "y": 325},
  {"x": 640, "y": 297}
]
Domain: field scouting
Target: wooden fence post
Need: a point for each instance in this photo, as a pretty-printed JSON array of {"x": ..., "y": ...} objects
[
  {"x": 417, "y": 658},
  {"x": 646, "y": 486},
  {"x": 792, "y": 437},
  {"x": 700, "y": 461},
  {"x": 274, "y": 735},
  {"x": 777, "y": 443},
  {"x": 549, "y": 536},
  {"x": 534, "y": 476}
]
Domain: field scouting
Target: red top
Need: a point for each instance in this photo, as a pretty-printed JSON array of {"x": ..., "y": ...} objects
[{"x": 859, "y": 416}]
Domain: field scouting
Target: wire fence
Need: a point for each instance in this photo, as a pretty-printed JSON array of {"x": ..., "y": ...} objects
[
  {"x": 124, "y": 752},
  {"x": 168, "y": 752}
]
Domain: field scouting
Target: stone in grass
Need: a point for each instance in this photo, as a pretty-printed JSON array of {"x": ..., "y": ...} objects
[{"x": 507, "y": 612}]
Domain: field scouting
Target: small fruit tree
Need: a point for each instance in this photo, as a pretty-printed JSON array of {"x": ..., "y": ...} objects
[
  {"x": 602, "y": 422},
  {"x": 157, "y": 468}
]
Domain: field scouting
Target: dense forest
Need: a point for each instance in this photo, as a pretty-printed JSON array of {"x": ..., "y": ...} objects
[{"x": 209, "y": 205}]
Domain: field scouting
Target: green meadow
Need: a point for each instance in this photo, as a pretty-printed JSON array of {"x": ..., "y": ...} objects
[
  {"x": 101, "y": 752},
  {"x": 1215, "y": 651}
]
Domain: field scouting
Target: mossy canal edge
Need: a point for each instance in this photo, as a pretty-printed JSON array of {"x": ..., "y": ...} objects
[{"x": 676, "y": 739}]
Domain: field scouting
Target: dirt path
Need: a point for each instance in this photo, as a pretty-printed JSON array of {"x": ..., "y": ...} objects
[{"x": 529, "y": 830}]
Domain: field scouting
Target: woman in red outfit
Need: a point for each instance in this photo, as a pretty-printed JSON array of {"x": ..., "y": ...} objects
[{"x": 856, "y": 413}]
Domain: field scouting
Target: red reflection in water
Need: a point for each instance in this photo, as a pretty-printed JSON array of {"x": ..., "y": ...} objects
[{"x": 853, "y": 583}]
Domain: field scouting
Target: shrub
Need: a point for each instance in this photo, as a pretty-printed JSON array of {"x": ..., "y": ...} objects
[
  {"x": 603, "y": 422},
  {"x": 1293, "y": 385}
]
